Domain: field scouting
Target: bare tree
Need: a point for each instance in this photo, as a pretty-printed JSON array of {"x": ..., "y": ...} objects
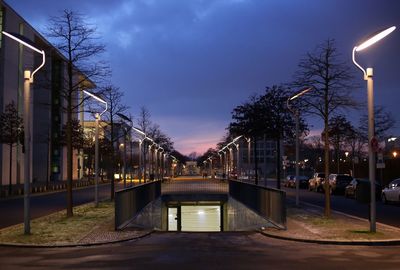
[
  {"x": 161, "y": 139},
  {"x": 153, "y": 131},
  {"x": 247, "y": 120},
  {"x": 114, "y": 98},
  {"x": 144, "y": 122},
  {"x": 278, "y": 121},
  {"x": 11, "y": 132},
  {"x": 356, "y": 141},
  {"x": 340, "y": 130},
  {"x": 193, "y": 155},
  {"x": 332, "y": 82},
  {"x": 78, "y": 42},
  {"x": 384, "y": 122}
]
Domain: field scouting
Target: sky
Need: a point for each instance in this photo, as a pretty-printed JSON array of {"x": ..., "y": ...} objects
[{"x": 190, "y": 62}]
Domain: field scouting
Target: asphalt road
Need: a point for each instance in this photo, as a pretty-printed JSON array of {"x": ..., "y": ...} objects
[
  {"x": 387, "y": 214},
  {"x": 12, "y": 210},
  {"x": 203, "y": 251}
]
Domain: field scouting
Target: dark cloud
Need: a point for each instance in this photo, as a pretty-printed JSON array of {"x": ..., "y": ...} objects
[{"x": 203, "y": 57}]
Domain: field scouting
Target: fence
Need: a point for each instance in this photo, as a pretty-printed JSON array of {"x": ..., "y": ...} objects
[
  {"x": 267, "y": 202},
  {"x": 195, "y": 186},
  {"x": 130, "y": 201}
]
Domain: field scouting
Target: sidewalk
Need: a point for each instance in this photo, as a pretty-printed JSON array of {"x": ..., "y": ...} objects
[{"x": 307, "y": 223}]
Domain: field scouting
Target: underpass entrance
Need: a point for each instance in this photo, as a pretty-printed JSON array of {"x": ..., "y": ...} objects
[
  {"x": 195, "y": 217},
  {"x": 200, "y": 206}
]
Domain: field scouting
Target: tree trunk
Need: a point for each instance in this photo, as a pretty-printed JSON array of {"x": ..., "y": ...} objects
[
  {"x": 10, "y": 172},
  {"x": 255, "y": 160},
  {"x": 338, "y": 158},
  {"x": 144, "y": 148},
  {"x": 326, "y": 185},
  {"x": 112, "y": 189}
]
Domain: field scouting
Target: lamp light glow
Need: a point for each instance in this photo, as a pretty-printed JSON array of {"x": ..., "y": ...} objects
[
  {"x": 237, "y": 138},
  {"x": 302, "y": 92},
  {"x": 375, "y": 38},
  {"x": 139, "y": 131},
  {"x": 98, "y": 99},
  {"x": 23, "y": 40},
  {"x": 28, "y": 43}
]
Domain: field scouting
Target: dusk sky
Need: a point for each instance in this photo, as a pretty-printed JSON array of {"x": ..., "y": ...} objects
[{"x": 190, "y": 62}]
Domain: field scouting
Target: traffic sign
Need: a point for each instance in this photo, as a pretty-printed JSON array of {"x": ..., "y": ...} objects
[{"x": 380, "y": 165}]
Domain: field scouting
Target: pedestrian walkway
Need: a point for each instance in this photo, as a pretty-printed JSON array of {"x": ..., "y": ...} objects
[{"x": 307, "y": 223}]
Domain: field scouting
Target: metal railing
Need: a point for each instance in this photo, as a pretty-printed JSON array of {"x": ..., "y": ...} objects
[
  {"x": 267, "y": 202},
  {"x": 130, "y": 201},
  {"x": 194, "y": 186}
]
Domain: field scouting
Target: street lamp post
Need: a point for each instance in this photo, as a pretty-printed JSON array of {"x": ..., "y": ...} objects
[
  {"x": 161, "y": 162},
  {"x": 237, "y": 159},
  {"x": 146, "y": 163},
  {"x": 296, "y": 114},
  {"x": 150, "y": 164},
  {"x": 28, "y": 80},
  {"x": 96, "y": 147},
  {"x": 368, "y": 74},
  {"x": 140, "y": 161},
  {"x": 140, "y": 151},
  {"x": 124, "y": 160},
  {"x": 248, "y": 157}
]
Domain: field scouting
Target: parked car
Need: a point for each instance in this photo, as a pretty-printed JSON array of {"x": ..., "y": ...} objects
[
  {"x": 391, "y": 193},
  {"x": 350, "y": 190},
  {"x": 288, "y": 180},
  {"x": 316, "y": 181},
  {"x": 338, "y": 182},
  {"x": 303, "y": 181},
  {"x": 233, "y": 175}
]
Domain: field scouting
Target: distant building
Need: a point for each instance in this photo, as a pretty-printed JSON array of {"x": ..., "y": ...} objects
[
  {"x": 266, "y": 159},
  {"x": 191, "y": 168}
]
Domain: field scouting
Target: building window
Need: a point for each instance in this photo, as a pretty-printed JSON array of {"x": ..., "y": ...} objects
[{"x": 55, "y": 169}]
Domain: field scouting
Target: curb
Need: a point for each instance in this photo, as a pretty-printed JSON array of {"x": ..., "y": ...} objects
[
  {"x": 395, "y": 242},
  {"x": 351, "y": 216},
  {"x": 390, "y": 242},
  {"x": 76, "y": 245}
]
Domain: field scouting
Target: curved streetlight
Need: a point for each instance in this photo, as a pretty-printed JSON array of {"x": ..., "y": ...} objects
[
  {"x": 137, "y": 130},
  {"x": 129, "y": 120},
  {"x": 248, "y": 140},
  {"x": 297, "y": 115},
  {"x": 96, "y": 146},
  {"x": 368, "y": 74},
  {"x": 28, "y": 80}
]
